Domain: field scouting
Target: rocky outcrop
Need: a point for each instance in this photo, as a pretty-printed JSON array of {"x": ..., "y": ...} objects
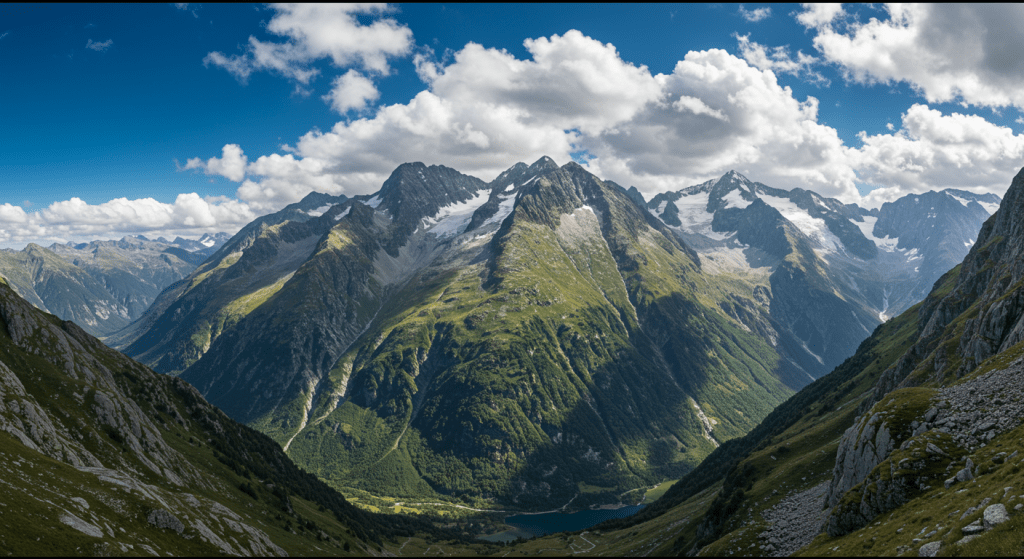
[
  {"x": 958, "y": 420},
  {"x": 862, "y": 447},
  {"x": 165, "y": 520}
]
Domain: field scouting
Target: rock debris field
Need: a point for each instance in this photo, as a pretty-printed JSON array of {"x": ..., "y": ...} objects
[
  {"x": 980, "y": 409},
  {"x": 794, "y": 522}
]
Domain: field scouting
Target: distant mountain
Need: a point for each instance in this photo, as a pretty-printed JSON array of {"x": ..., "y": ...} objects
[
  {"x": 103, "y": 285},
  {"x": 102, "y": 456},
  {"x": 877, "y": 262}
]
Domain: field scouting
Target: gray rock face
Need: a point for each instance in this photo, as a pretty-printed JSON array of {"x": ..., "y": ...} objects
[
  {"x": 165, "y": 520},
  {"x": 863, "y": 446}
]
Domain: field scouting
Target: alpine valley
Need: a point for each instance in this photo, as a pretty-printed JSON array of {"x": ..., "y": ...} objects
[{"x": 546, "y": 340}]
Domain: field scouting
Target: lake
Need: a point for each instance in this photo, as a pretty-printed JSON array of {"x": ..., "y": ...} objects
[{"x": 551, "y": 522}]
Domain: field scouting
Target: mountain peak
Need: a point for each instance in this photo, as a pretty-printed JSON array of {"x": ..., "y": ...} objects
[{"x": 543, "y": 163}]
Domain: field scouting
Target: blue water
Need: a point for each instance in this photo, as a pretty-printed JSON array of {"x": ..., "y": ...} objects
[{"x": 551, "y": 522}]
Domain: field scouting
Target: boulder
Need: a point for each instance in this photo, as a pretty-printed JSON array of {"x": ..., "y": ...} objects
[
  {"x": 972, "y": 528},
  {"x": 165, "y": 520},
  {"x": 930, "y": 549},
  {"x": 995, "y": 515}
]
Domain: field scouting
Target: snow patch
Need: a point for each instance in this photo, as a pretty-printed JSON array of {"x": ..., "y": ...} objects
[
  {"x": 452, "y": 219},
  {"x": 888, "y": 244},
  {"x": 735, "y": 200},
  {"x": 313, "y": 213},
  {"x": 693, "y": 213},
  {"x": 813, "y": 227},
  {"x": 990, "y": 207},
  {"x": 343, "y": 214},
  {"x": 510, "y": 187},
  {"x": 504, "y": 209},
  {"x": 963, "y": 201},
  {"x": 374, "y": 202}
]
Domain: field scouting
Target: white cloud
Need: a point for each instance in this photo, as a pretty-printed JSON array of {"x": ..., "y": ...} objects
[
  {"x": 351, "y": 90},
  {"x": 778, "y": 60},
  {"x": 697, "y": 107},
  {"x": 482, "y": 112},
  {"x": 768, "y": 134},
  {"x": 99, "y": 47},
  {"x": 815, "y": 15},
  {"x": 933, "y": 151},
  {"x": 969, "y": 53},
  {"x": 184, "y": 6},
  {"x": 231, "y": 164},
  {"x": 316, "y": 31},
  {"x": 76, "y": 220},
  {"x": 12, "y": 214},
  {"x": 755, "y": 15},
  {"x": 715, "y": 112}
]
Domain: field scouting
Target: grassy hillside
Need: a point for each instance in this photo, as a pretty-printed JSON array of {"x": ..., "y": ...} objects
[{"x": 102, "y": 456}]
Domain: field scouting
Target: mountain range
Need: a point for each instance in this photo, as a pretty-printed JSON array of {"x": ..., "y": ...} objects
[
  {"x": 547, "y": 338},
  {"x": 544, "y": 338},
  {"x": 103, "y": 285}
]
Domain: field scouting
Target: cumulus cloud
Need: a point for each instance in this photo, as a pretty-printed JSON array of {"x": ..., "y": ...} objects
[
  {"x": 715, "y": 112},
  {"x": 316, "y": 31},
  {"x": 481, "y": 113},
  {"x": 933, "y": 151},
  {"x": 76, "y": 220},
  {"x": 778, "y": 60},
  {"x": 969, "y": 53},
  {"x": 759, "y": 129},
  {"x": 349, "y": 91},
  {"x": 99, "y": 47},
  {"x": 230, "y": 165},
  {"x": 755, "y": 15},
  {"x": 815, "y": 15}
]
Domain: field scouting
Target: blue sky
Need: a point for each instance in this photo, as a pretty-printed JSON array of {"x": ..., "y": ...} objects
[{"x": 185, "y": 119}]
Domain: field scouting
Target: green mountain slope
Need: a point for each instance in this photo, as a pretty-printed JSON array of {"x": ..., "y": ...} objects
[
  {"x": 100, "y": 455},
  {"x": 189, "y": 315},
  {"x": 911, "y": 446}
]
